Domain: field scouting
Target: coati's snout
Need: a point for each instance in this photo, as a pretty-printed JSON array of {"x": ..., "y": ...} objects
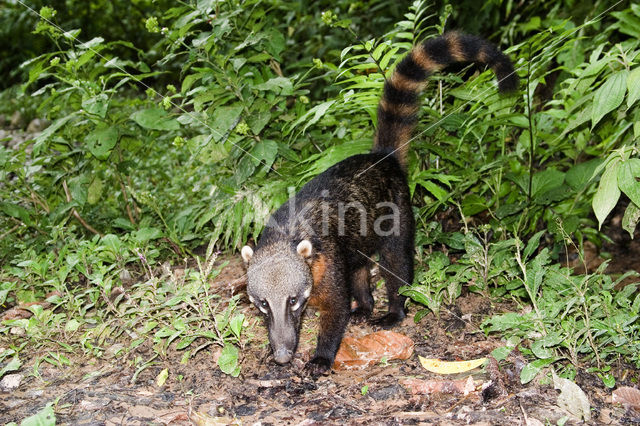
[{"x": 279, "y": 283}]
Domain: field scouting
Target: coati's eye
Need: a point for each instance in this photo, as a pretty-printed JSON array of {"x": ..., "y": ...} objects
[
  {"x": 264, "y": 303},
  {"x": 293, "y": 301}
]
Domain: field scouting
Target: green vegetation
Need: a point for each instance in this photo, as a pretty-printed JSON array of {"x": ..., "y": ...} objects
[{"x": 187, "y": 124}]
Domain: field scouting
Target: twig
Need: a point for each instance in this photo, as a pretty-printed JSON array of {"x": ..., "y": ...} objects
[
  {"x": 4, "y": 234},
  {"x": 75, "y": 213}
]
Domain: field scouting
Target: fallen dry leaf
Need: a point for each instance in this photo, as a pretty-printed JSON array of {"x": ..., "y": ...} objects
[
  {"x": 572, "y": 399},
  {"x": 627, "y": 396},
  {"x": 361, "y": 352},
  {"x": 460, "y": 386},
  {"x": 450, "y": 367}
]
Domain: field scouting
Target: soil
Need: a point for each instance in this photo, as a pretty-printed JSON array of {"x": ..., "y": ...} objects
[
  {"x": 108, "y": 391},
  {"x": 92, "y": 391}
]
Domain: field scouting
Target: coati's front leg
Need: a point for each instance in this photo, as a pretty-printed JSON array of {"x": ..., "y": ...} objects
[{"x": 330, "y": 296}]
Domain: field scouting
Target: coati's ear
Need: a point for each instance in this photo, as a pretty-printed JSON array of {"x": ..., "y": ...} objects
[
  {"x": 247, "y": 253},
  {"x": 304, "y": 248}
]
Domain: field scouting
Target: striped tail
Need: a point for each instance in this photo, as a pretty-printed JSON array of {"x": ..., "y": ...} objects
[{"x": 397, "y": 111}]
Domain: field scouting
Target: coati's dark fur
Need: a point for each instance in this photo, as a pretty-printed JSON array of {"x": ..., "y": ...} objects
[{"x": 306, "y": 254}]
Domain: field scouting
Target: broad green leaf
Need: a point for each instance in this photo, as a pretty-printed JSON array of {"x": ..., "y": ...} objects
[
  {"x": 608, "y": 193},
  {"x": 228, "y": 360},
  {"x": 631, "y": 218},
  {"x": 501, "y": 353},
  {"x": 146, "y": 234},
  {"x": 531, "y": 370},
  {"x": 97, "y": 105},
  {"x": 545, "y": 181},
  {"x": 609, "y": 96},
  {"x": 580, "y": 174},
  {"x": 15, "y": 210},
  {"x": 94, "y": 193},
  {"x": 280, "y": 85},
  {"x": 101, "y": 141},
  {"x": 44, "y": 417},
  {"x": 155, "y": 119},
  {"x": 72, "y": 325},
  {"x": 473, "y": 204},
  {"x": 628, "y": 183},
  {"x": 236, "y": 324},
  {"x": 633, "y": 86},
  {"x": 264, "y": 153},
  {"x": 223, "y": 119}
]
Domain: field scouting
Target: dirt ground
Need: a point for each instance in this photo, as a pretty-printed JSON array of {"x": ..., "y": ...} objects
[{"x": 96, "y": 391}]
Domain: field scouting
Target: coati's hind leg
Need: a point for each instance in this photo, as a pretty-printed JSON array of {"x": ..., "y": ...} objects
[
  {"x": 362, "y": 294},
  {"x": 334, "y": 305},
  {"x": 396, "y": 267}
]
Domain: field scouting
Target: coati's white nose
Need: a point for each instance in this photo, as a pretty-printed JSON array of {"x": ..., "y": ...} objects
[{"x": 282, "y": 355}]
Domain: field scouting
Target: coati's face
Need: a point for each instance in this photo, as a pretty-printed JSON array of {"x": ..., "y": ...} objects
[{"x": 279, "y": 283}]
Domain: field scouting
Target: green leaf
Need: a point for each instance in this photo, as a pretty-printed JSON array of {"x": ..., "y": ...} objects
[
  {"x": 94, "y": 192},
  {"x": 627, "y": 182},
  {"x": 435, "y": 190},
  {"x": 97, "y": 105},
  {"x": 155, "y": 119},
  {"x": 532, "y": 245},
  {"x": 264, "y": 153},
  {"x": 581, "y": 174},
  {"x": 279, "y": 85},
  {"x": 473, "y": 204},
  {"x": 608, "y": 193},
  {"x": 631, "y": 218},
  {"x": 72, "y": 325},
  {"x": 162, "y": 377},
  {"x": 48, "y": 132},
  {"x": 545, "y": 181},
  {"x": 16, "y": 211},
  {"x": 146, "y": 234},
  {"x": 44, "y": 417},
  {"x": 101, "y": 141},
  {"x": 531, "y": 370},
  {"x": 224, "y": 118},
  {"x": 633, "y": 86},
  {"x": 13, "y": 365},
  {"x": 501, "y": 353},
  {"x": 609, "y": 96},
  {"x": 228, "y": 361},
  {"x": 236, "y": 324},
  {"x": 311, "y": 117}
]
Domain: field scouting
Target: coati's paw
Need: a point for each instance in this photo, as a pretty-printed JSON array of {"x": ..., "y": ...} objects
[
  {"x": 389, "y": 320},
  {"x": 359, "y": 315},
  {"x": 318, "y": 366}
]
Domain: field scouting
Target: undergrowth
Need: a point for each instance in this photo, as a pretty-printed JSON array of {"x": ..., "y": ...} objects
[{"x": 194, "y": 137}]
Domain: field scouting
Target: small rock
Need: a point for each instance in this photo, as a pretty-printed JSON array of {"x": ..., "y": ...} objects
[
  {"x": 11, "y": 381},
  {"x": 17, "y": 120},
  {"x": 37, "y": 125},
  {"x": 17, "y": 331}
]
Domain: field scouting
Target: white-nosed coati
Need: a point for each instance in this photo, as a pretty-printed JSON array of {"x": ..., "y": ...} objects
[{"x": 316, "y": 247}]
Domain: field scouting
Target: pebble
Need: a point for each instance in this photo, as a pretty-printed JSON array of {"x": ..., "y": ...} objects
[{"x": 11, "y": 381}]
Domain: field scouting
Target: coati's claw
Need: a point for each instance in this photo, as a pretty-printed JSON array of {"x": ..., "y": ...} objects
[
  {"x": 318, "y": 366},
  {"x": 359, "y": 315},
  {"x": 389, "y": 320}
]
